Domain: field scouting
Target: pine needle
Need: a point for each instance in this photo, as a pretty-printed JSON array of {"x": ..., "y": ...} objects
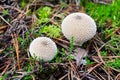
[{"x": 15, "y": 43}]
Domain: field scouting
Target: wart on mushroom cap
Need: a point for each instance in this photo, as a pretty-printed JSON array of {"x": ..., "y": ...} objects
[
  {"x": 80, "y": 26},
  {"x": 43, "y": 48}
]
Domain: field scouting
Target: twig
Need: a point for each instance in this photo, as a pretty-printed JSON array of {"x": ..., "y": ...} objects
[
  {"x": 5, "y": 70},
  {"x": 11, "y": 7},
  {"x": 69, "y": 74},
  {"x": 110, "y": 57},
  {"x": 61, "y": 40},
  {"x": 106, "y": 2},
  {"x": 112, "y": 33},
  {"x": 74, "y": 69},
  {"x": 62, "y": 78},
  {"x": 117, "y": 77},
  {"x": 3, "y": 27},
  {"x": 16, "y": 49},
  {"x": 60, "y": 44},
  {"x": 99, "y": 55},
  {"x": 4, "y": 56},
  {"x": 106, "y": 72},
  {"x": 100, "y": 77},
  {"x": 26, "y": 74},
  {"x": 5, "y": 21},
  {"x": 115, "y": 69},
  {"x": 91, "y": 69}
]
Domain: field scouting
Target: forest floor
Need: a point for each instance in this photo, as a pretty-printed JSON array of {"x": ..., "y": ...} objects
[{"x": 21, "y": 21}]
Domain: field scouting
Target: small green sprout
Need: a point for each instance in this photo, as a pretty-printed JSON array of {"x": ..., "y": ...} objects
[
  {"x": 89, "y": 62},
  {"x": 23, "y": 4},
  {"x": 70, "y": 57},
  {"x": 71, "y": 44},
  {"x": 5, "y": 12}
]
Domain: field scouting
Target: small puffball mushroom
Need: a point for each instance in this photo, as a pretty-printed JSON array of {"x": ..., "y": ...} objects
[
  {"x": 43, "y": 48},
  {"x": 80, "y": 26}
]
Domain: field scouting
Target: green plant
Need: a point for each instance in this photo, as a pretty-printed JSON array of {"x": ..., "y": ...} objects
[
  {"x": 89, "y": 62},
  {"x": 70, "y": 57},
  {"x": 51, "y": 31},
  {"x": 29, "y": 77},
  {"x": 3, "y": 77},
  {"x": 104, "y": 14},
  {"x": 29, "y": 66},
  {"x": 113, "y": 44},
  {"x": 43, "y": 14},
  {"x": 115, "y": 63},
  {"x": 60, "y": 57},
  {"x": 5, "y": 12},
  {"x": 9, "y": 49},
  {"x": 24, "y": 42},
  {"x": 41, "y": 68},
  {"x": 63, "y": 52},
  {"x": 71, "y": 45},
  {"x": 108, "y": 20},
  {"x": 104, "y": 54},
  {"x": 23, "y": 4},
  {"x": 63, "y": 3}
]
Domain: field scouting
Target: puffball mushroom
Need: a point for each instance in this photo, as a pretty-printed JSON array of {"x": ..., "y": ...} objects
[
  {"x": 80, "y": 26},
  {"x": 43, "y": 48}
]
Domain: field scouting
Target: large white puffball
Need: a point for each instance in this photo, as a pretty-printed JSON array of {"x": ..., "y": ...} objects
[{"x": 80, "y": 26}]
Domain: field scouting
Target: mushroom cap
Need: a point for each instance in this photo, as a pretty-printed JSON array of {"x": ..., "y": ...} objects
[
  {"x": 80, "y": 26},
  {"x": 43, "y": 48}
]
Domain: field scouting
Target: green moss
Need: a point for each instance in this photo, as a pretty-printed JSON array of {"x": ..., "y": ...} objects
[
  {"x": 3, "y": 77},
  {"x": 103, "y": 12},
  {"x": 23, "y": 4},
  {"x": 51, "y": 31},
  {"x": 43, "y": 14},
  {"x": 113, "y": 44},
  {"x": 89, "y": 62},
  {"x": 29, "y": 77},
  {"x": 115, "y": 63},
  {"x": 71, "y": 45}
]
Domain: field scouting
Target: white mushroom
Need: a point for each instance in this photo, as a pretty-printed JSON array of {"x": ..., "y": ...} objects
[
  {"x": 43, "y": 48},
  {"x": 80, "y": 26}
]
